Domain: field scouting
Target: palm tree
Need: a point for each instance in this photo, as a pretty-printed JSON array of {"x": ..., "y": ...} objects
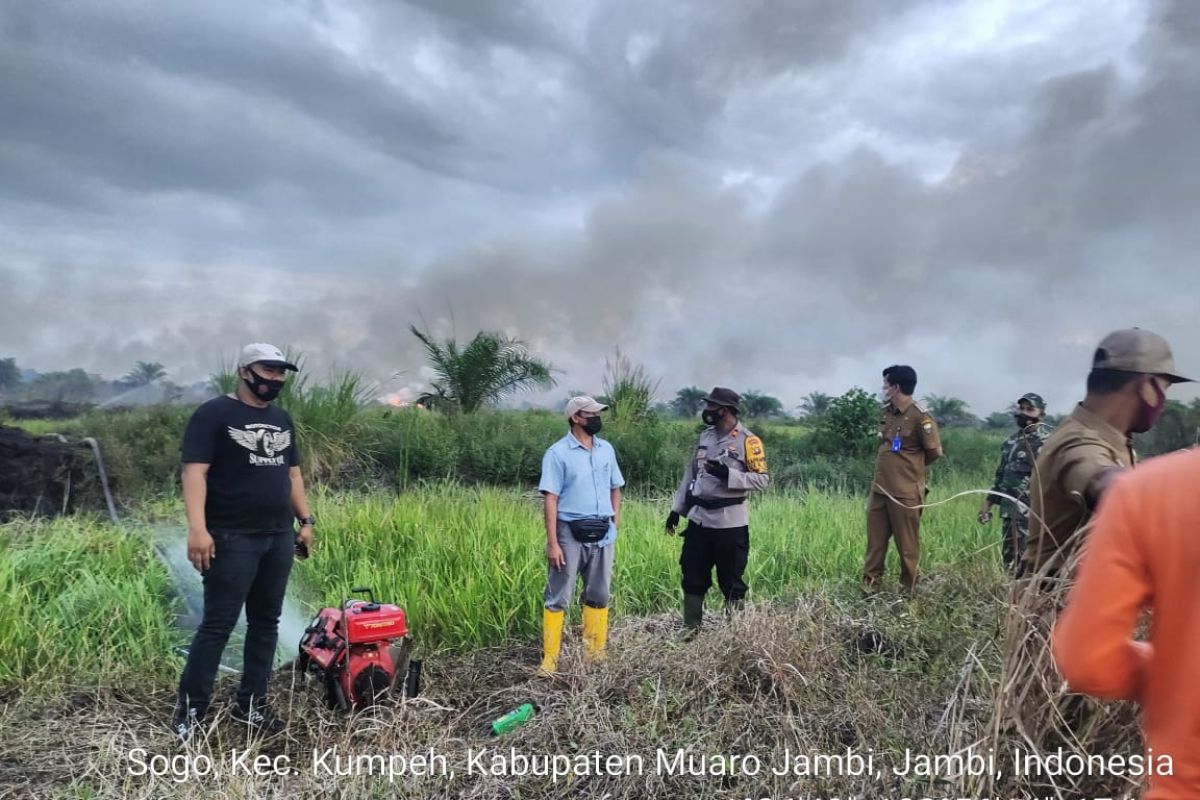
[
  {"x": 688, "y": 401},
  {"x": 489, "y": 367},
  {"x": 815, "y": 404},
  {"x": 949, "y": 411},
  {"x": 998, "y": 421},
  {"x": 760, "y": 406},
  {"x": 144, "y": 372}
]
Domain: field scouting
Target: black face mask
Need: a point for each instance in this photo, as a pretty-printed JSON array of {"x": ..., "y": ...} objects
[
  {"x": 264, "y": 389},
  {"x": 1024, "y": 420},
  {"x": 592, "y": 426},
  {"x": 712, "y": 417}
]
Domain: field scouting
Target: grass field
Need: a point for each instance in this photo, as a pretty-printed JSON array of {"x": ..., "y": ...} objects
[
  {"x": 468, "y": 563},
  {"x": 439, "y": 516},
  {"x": 80, "y": 602},
  {"x": 812, "y": 666}
]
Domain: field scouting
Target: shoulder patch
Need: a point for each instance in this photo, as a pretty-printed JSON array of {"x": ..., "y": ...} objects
[
  {"x": 756, "y": 456},
  {"x": 927, "y": 424}
]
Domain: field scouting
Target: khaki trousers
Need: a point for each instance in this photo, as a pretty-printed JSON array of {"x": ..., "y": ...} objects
[{"x": 887, "y": 520}]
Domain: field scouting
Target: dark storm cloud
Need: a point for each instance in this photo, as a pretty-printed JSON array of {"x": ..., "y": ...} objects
[
  {"x": 780, "y": 196},
  {"x": 200, "y": 99}
]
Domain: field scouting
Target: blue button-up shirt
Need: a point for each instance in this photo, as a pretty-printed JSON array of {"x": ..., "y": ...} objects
[{"x": 583, "y": 479}]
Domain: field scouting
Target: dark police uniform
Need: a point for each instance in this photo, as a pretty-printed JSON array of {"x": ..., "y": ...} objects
[{"x": 718, "y": 532}]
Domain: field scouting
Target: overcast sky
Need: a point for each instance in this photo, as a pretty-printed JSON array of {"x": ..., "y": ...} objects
[{"x": 771, "y": 195}]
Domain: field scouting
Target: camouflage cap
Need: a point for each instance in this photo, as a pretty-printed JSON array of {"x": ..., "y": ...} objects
[
  {"x": 1137, "y": 350},
  {"x": 1033, "y": 399}
]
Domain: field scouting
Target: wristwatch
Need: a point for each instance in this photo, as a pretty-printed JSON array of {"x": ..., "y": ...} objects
[{"x": 309, "y": 520}]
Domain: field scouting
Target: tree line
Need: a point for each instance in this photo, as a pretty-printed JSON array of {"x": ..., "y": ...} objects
[
  {"x": 77, "y": 385},
  {"x": 492, "y": 367}
]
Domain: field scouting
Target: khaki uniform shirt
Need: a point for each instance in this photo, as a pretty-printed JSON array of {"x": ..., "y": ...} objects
[
  {"x": 900, "y": 467},
  {"x": 1079, "y": 449},
  {"x": 742, "y": 452}
]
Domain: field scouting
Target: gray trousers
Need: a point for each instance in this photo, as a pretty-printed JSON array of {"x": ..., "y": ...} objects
[{"x": 594, "y": 564}]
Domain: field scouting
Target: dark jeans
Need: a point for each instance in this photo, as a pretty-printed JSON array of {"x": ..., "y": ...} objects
[
  {"x": 725, "y": 548},
  {"x": 250, "y": 569}
]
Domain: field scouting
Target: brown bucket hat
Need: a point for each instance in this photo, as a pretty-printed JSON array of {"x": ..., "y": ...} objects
[{"x": 725, "y": 397}]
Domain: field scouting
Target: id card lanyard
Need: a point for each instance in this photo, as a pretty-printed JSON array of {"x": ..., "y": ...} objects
[{"x": 896, "y": 441}]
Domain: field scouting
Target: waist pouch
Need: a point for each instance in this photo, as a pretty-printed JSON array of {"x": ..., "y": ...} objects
[
  {"x": 711, "y": 503},
  {"x": 589, "y": 530}
]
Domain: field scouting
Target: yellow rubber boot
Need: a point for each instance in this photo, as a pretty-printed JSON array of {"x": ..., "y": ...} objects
[
  {"x": 552, "y": 626},
  {"x": 595, "y": 632}
]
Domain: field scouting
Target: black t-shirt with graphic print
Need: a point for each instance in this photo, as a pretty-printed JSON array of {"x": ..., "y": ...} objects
[{"x": 249, "y": 452}]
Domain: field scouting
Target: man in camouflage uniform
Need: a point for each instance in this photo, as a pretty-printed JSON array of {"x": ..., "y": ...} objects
[{"x": 1018, "y": 454}]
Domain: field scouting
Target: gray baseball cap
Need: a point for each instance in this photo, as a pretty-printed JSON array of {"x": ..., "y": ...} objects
[
  {"x": 1137, "y": 350},
  {"x": 583, "y": 403},
  {"x": 261, "y": 352}
]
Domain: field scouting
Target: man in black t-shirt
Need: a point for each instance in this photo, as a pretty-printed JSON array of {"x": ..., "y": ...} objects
[{"x": 241, "y": 488}]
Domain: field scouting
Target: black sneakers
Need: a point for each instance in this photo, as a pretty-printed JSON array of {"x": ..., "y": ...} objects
[
  {"x": 258, "y": 717},
  {"x": 185, "y": 724}
]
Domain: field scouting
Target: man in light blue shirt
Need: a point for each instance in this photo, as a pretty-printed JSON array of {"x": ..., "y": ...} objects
[{"x": 581, "y": 485}]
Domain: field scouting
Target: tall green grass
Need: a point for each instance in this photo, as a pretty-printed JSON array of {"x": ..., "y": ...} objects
[
  {"x": 80, "y": 601},
  {"x": 346, "y": 442},
  {"x": 81, "y": 598},
  {"x": 468, "y": 563}
]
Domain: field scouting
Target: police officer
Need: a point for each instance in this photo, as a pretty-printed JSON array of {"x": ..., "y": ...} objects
[
  {"x": 1126, "y": 392},
  {"x": 909, "y": 442},
  {"x": 1018, "y": 454},
  {"x": 729, "y": 462}
]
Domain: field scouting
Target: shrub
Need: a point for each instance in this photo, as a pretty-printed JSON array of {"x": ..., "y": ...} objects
[
  {"x": 850, "y": 426},
  {"x": 344, "y": 443}
]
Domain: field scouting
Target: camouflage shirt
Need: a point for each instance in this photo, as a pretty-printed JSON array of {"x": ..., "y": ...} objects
[{"x": 1018, "y": 454}]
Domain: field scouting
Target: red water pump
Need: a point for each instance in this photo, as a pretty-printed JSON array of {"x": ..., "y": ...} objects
[{"x": 361, "y": 651}]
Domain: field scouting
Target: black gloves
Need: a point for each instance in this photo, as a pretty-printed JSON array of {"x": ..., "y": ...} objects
[
  {"x": 673, "y": 519},
  {"x": 716, "y": 469}
]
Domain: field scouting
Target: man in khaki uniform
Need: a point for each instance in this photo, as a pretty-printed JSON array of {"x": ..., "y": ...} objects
[
  {"x": 909, "y": 442},
  {"x": 1126, "y": 392},
  {"x": 728, "y": 463}
]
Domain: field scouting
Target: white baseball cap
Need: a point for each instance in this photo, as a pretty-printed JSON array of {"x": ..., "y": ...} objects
[
  {"x": 265, "y": 353},
  {"x": 583, "y": 403}
]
